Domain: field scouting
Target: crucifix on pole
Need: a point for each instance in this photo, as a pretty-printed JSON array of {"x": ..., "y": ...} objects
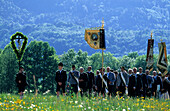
[{"x": 20, "y": 49}]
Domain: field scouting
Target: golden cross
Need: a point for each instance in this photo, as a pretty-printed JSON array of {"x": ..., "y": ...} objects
[
  {"x": 151, "y": 34},
  {"x": 103, "y": 23}
]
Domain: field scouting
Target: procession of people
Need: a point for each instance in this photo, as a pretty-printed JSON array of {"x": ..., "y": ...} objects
[{"x": 106, "y": 83}]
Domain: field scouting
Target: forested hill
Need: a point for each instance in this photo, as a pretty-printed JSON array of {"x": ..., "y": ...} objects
[{"x": 62, "y": 23}]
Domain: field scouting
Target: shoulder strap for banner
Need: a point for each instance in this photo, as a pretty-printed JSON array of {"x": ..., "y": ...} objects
[
  {"x": 103, "y": 80},
  {"x": 121, "y": 74},
  {"x": 77, "y": 82}
]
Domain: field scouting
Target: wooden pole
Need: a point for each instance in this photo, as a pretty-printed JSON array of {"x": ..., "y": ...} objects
[
  {"x": 36, "y": 91},
  {"x": 102, "y": 67}
]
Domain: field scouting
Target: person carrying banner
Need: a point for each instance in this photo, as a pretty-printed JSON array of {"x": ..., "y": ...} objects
[{"x": 102, "y": 87}]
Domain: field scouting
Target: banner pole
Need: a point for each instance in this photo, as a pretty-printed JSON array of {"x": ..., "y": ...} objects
[{"x": 102, "y": 67}]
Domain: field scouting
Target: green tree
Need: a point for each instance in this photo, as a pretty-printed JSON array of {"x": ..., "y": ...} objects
[
  {"x": 127, "y": 62},
  {"x": 111, "y": 61},
  {"x": 68, "y": 59},
  {"x": 1, "y": 50},
  {"x": 81, "y": 59},
  {"x": 8, "y": 70},
  {"x": 95, "y": 60},
  {"x": 141, "y": 62},
  {"x": 133, "y": 55},
  {"x": 40, "y": 60}
]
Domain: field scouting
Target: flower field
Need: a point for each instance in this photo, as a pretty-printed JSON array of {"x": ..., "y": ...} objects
[{"x": 11, "y": 102}]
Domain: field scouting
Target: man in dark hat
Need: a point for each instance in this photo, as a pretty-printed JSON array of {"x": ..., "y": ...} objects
[
  {"x": 73, "y": 80},
  {"x": 61, "y": 78},
  {"x": 21, "y": 81}
]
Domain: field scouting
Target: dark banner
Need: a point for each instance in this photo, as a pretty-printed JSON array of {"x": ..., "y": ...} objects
[
  {"x": 149, "y": 58},
  {"x": 162, "y": 63}
]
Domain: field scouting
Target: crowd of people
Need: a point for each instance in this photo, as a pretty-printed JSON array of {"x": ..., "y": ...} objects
[{"x": 132, "y": 82}]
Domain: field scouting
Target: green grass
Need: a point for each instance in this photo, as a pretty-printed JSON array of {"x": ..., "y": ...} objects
[{"x": 52, "y": 103}]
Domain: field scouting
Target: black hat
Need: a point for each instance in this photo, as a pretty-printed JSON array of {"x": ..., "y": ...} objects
[
  {"x": 60, "y": 64},
  {"x": 73, "y": 66},
  {"x": 122, "y": 67},
  {"x": 21, "y": 67}
]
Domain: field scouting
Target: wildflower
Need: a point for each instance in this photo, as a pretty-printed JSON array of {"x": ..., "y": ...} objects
[{"x": 80, "y": 106}]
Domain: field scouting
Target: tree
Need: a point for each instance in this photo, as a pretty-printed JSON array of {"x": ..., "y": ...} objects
[
  {"x": 40, "y": 60},
  {"x": 127, "y": 62},
  {"x": 1, "y": 50},
  {"x": 133, "y": 55},
  {"x": 110, "y": 60},
  {"x": 81, "y": 59},
  {"x": 141, "y": 62},
  {"x": 8, "y": 70},
  {"x": 95, "y": 60},
  {"x": 68, "y": 59}
]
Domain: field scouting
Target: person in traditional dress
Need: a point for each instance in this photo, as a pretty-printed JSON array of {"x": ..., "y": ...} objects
[
  {"x": 83, "y": 80},
  {"x": 150, "y": 80},
  {"x": 91, "y": 80},
  {"x": 21, "y": 81},
  {"x": 111, "y": 79},
  {"x": 73, "y": 80},
  {"x": 157, "y": 85},
  {"x": 122, "y": 81},
  {"x": 61, "y": 78}
]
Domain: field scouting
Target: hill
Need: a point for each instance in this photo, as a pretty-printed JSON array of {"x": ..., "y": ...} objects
[{"x": 62, "y": 23}]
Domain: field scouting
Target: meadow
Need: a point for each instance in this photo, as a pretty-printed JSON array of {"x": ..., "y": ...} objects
[{"x": 11, "y": 102}]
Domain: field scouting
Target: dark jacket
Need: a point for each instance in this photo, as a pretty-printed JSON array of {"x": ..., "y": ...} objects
[
  {"x": 99, "y": 81},
  {"x": 157, "y": 81},
  {"x": 145, "y": 83},
  {"x": 71, "y": 78},
  {"x": 132, "y": 82},
  {"x": 83, "y": 84},
  {"x": 61, "y": 77},
  {"x": 139, "y": 83},
  {"x": 21, "y": 77},
  {"x": 131, "y": 85},
  {"x": 91, "y": 80}
]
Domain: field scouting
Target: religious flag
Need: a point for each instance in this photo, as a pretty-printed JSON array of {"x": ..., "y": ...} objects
[
  {"x": 95, "y": 37},
  {"x": 149, "y": 58},
  {"x": 162, "y": 62}
]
